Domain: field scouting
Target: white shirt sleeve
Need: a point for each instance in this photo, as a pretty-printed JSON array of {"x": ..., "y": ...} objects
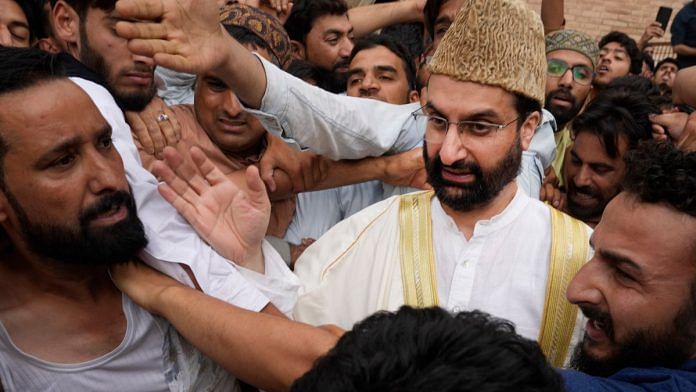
[
  {"x": 337, "y": 126},
  {"x": 172, "y": 241}
]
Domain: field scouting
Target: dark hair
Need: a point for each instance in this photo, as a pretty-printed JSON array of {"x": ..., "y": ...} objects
[
  {"x": 631, "y": 47},
  {"x": 81, "y": 6},
  {"x": 525, "y": 106},
  {"x": 409, "y": 35},
  {"x": 372, "y": 41},
  {"x": 304, "y": 70},
  {"x": 615, "y": 112},
  {"x": 21, "y": 68},
  {"x": 661, "y": 173},
  {"x": 32, "y": 12},
  {"x": 246, "y": 37},
  {"x": 305, "y": 12},
  {"x": 431, "y": 350},
  {"x": 432, "y": 8},
  {"x": 642, "y": 85},
  {"x": 665, "y": 61}
]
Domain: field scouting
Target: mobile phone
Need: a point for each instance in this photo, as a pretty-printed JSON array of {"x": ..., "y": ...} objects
[{"x": 663, "y": 15}]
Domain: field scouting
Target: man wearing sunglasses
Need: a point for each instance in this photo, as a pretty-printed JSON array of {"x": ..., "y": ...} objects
[{"x": 571, "y": 57}]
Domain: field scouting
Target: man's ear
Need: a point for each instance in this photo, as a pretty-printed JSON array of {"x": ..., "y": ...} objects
[
  {"x": 298, "y": 50},
  {"x": 413, "y": 96},
  {"x": 67, "y": 25},
  {"x": 529, "y": 128}
]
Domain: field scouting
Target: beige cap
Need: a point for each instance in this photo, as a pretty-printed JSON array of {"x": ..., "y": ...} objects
[{"x": 498, "y": 43}]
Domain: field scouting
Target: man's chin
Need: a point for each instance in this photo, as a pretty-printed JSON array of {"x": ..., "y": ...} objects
[{"x": 133, "y": 99}]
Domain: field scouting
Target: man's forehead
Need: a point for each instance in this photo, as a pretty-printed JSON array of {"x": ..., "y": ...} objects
[
  {"x": 613, "y": 47},
  {"x": 332, "y": 23},
  {"x": 479, "y": 97},
  {"x": 378, "y": 55},
  {"x": 46, "y": 111},
  {"x": 571, "y": 57},
  {"x": 652, "y": 235},
  {"x": 10, "y": 11}
]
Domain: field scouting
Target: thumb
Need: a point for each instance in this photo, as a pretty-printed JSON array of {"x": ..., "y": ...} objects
[{"x": 256, "y": 186}]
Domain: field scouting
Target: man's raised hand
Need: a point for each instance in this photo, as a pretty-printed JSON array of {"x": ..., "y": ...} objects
[
  {"x": 184, "y": 35},
  {"x": 231, "y": 219}
]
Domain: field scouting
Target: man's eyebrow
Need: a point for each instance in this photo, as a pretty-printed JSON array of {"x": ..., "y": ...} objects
[
  {"x": 333, "y": 31},
  {"x": 64, "y": 146},
  {"x": 615, "y": 258},
  {"x": 69, "y": 144},
  {"x": 354, "y": 71},
  {"x": 18, "y": 23},
  {"x": 385, "y": 68}
]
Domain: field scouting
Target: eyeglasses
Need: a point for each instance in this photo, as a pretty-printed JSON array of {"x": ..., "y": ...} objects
[
  {"x": 437, "y": 127},
  {"x": 582, "y": 74}
]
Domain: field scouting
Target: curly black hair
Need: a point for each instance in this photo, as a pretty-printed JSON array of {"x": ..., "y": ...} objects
[
  {"x": 431, "y": 350},
  {"x": 661, "y": 173}
]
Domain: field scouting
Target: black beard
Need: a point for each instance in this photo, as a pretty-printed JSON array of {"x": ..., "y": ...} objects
[
  {"x": 486, "y": 186},
  {"x": 84, "y": 245},
  {"x": 581, "y": 212},
  {"x": 562, "y": 115},
  {"x": 127, "y": 101},
  {"x": 331, "y": 81},
  {"x": 642, "y": 348}
]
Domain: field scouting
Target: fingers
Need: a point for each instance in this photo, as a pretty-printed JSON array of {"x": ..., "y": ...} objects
[
  {"x": 672, "y": 123},
  {"x": 266, "y": 170},
  {"x": 552, "y": 195},
  {"x": 140, "y": 9},
  {"x": 212, "y": 174},
  {"x": 687, "y": 140},
  {"x": 141, "y": 30},
  {"x": 172, "y": 133},
  {"x": 140, "y": 133},
  {"x": 181, "y": 176}
]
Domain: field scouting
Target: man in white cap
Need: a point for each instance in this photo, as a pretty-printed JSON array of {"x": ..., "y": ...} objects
[{"x": 478, "y": 242}]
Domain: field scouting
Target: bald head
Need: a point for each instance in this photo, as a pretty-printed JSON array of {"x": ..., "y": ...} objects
[{"x": 684, "y": 89}]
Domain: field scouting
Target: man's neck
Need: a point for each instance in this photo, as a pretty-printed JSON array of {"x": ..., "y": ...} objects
[
  {"x": 466, "y": 220},
  {"x": 31, "y": 274}
]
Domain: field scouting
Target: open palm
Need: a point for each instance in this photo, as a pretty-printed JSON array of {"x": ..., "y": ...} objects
[{"x": 230, "y": 217}]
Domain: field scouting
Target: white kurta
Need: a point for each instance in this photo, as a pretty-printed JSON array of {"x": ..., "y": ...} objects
[{"x": 354, "y": 270}]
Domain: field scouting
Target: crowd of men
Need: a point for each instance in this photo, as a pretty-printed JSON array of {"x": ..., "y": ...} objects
[{"x": 445, "y": 195}]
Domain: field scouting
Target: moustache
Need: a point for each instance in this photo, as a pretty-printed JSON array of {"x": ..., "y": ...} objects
[
  {"x": 459, "y": 167},
  {"x": 343, "y": 63},
  {"x": 585, "y": 190},
  {"x": 139, "y": 68},
  {"x": 601, "y": 319},
  {"x": 107, "y": 203},
  {"x": 562, "y": 93}
]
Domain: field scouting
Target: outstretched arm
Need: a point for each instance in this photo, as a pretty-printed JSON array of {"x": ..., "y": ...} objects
[
  {"x": 186, "y": 36},
  {"x": 370, "y": 18},
  {"x": 266, "y": 351}
]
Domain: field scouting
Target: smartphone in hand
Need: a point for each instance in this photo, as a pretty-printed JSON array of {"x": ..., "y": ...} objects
[{"x": 663, "y": 15}]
